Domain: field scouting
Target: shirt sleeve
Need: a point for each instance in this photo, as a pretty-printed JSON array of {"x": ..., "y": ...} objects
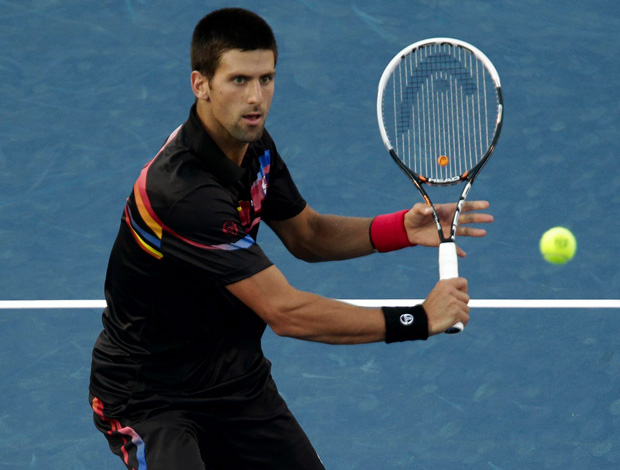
[{"x": 283, "y": 198}]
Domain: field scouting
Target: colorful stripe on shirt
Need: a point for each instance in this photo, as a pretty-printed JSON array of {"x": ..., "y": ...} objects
[{"x": 152, "y": 243}]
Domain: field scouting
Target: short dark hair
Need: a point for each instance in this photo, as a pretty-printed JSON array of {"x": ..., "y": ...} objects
[{"x": 226, "y": 29}]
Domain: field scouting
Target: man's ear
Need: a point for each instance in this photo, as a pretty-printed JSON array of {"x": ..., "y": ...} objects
[{"x": 200, "y": 86}]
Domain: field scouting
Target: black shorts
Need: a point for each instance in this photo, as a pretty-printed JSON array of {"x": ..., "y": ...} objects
[{"x": 175, "y": 438}]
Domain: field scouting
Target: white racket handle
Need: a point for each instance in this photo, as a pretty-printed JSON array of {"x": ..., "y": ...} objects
[{"x": 448, "y": 269}]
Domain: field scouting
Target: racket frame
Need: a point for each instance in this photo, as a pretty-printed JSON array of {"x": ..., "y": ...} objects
[{"x": 448, "y": 260}]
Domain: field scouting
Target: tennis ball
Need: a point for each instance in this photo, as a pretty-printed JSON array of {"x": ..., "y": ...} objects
[{"x": 558, "y": 245}]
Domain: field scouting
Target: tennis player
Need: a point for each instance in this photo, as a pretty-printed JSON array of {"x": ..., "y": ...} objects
[{"x": 178, "y": 379}]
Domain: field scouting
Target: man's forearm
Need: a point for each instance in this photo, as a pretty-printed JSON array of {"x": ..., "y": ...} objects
[
  {"x": 338, "y": 237},
  {"x": 316, "y": 237}
]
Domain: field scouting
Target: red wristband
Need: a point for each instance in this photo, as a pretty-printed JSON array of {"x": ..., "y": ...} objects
[{"x": 387, "y": 232}]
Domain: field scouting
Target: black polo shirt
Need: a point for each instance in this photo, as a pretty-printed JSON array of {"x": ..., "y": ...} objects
[{"x": 189, "y": 228}]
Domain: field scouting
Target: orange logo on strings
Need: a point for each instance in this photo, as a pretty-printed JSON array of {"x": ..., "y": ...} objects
[{"x": 443, "y": 160}]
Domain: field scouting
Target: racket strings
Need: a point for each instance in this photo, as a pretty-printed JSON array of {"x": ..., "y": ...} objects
[{"x": 443, "y": 109}]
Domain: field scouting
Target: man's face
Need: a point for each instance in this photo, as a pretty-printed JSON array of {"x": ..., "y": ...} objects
[{"x": 240, "y": 95}]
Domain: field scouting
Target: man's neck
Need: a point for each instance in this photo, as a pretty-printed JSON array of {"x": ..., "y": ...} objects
[{"x": 235, "y": 151}]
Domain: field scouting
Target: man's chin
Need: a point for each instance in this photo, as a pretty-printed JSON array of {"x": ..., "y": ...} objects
[{"x": 253, "y": 135}]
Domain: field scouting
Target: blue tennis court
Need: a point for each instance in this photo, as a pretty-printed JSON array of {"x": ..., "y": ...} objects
[{"x": 90, "y": 90}]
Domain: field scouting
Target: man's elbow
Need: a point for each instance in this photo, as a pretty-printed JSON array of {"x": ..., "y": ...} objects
[
  {"x": 282, "y": 322},
  {"x": 276, "y": 319},
  {"x": 303, "y": 252}
]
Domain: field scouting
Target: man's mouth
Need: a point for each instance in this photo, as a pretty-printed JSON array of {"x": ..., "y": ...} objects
[{"x": 253, "y": 118}]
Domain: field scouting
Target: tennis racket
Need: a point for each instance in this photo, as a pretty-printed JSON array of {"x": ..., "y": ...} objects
[{"x": 440, "y": 113}]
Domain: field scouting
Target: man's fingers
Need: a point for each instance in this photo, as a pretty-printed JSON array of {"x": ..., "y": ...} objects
[{"x": 475, "y": 206}]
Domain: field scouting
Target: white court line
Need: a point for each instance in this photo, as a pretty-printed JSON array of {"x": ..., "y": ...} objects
[
  {"x": 50, "y": 304},
  {"x": 474, "y": 303},
  {"x": 499, "y": 303}
]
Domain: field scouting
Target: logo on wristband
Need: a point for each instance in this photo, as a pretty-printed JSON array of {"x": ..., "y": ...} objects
[{"x": 407, "y": 319}]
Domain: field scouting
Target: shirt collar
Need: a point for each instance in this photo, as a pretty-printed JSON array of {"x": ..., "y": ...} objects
[{"x": 205, "y": 148}]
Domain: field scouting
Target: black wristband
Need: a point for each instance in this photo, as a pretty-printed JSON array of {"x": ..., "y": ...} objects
[{"x": 405, "y": 323}]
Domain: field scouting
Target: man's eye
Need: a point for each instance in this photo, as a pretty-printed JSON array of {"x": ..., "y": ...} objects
[
  {"x": 239, "y": 80},
  {"x": 266, "y": 79}
]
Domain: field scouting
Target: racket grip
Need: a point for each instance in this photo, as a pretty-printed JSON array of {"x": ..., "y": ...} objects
[
  {"x": 448, "y": 261},
  {"x": 448, "y": 269}
]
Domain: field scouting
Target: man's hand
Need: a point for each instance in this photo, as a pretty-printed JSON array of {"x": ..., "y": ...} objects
[
  {"x": 421, "y": 228},
  {"x": 446, "y": 305}
]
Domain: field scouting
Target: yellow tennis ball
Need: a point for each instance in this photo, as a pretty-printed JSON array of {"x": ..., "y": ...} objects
[{"x": 558, "y": 245}]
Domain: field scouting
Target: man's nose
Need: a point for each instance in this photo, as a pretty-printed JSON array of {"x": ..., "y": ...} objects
[{"x": 255, "y": 92}]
